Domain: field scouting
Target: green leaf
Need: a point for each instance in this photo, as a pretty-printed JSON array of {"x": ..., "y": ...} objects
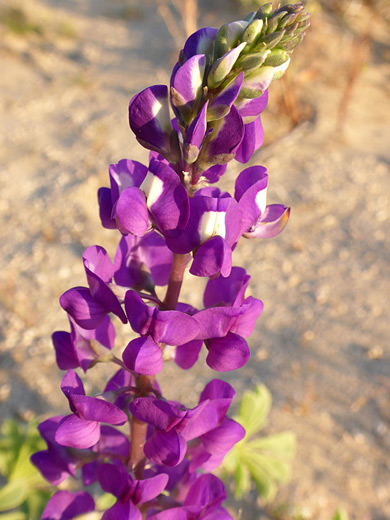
[
  {"x": 254, "y": 410},
  {"x": 276, "y": 469},
  {"x": 14, "y": 515},
  {"x": 264, "y": 484},
  {"x": 36, "y": 502},
  {"x": 13, "y": 494},
  {"x": 242, "y": 481},
  {"x": 282, "y": 444},
  {"x": 341, "y": 514},
  {"x": 105, "y": 501}
]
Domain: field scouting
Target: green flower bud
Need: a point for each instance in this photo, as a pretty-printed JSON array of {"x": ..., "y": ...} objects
[
  {"x": 272, "y": 39},
  {"x": 221, "y": 68},
  {"x": 276, "y": 58},
  {"x": 264, "y": 11},
  {"x": 252, "y": 31},
  {"x": 250, "y": 16},
  {"x": 251, "y": 62},
  {"x": 228, "y": 37}
]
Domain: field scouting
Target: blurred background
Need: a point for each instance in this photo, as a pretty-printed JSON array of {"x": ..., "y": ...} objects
[{"x": 68, "y": 71}]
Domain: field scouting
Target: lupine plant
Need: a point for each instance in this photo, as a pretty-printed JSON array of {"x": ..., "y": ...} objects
[{"x": 171, "y": 216}]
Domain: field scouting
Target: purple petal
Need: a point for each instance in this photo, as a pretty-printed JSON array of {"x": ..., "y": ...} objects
[
  {"x": 271, "y": 223},
  {"x": 88, "y": 473},
  {"x": 218, "y": 390},
  {"x": 150, "y": 121},
  {"x": 86, "y": 312},
  {"x": 188, "y": 82},
  {"x": 66, "y": 356},
  {"x": 65, "y": 505},
  {"x": 253, "y": 139},
  {"x": 201, "y": 42},
  {"x": 97, "y": 261},
  {"x": 149, "y": 488},
  {"x": 206, "y": 491},
  {"x": 94, "y": 409},
  {"x": 167, "y": 198},
  {"x": 227, "y": 291},
  {"x": 214, "y": 173},
  {"x": 134, "y": 254},
  {"x": 222, "y": 103},
  {"x": 245, "y": 322},
  {"x": 216, "y": 322},
  {"x": 119, "y": 511},
  {"x": 195, "y": 135},
  {"x": 72, "y": 384},
  {"x": 213, "y": 257},
  {"x": 143, "y": 355},
  {"x": 187, "y": 355},
  {"x": 52, "y": 467},
  {"x": 132, "y": 213},
  {"x": 223, "y": 141},
  {"x": 138, "y": 313},
  {"x": 105, "y": 208},
  {"x": 228, "y": 353},
  {"x": 125, "y": 174},
  {"x": 222, "y": 439},
  {"x": 174, "y": 327},
  {"x": 166, "y": 448},
  {"x": 160, "y": 414},
  {"x": 251, "y": 192},
  {"x": 112, "y": 441},
  {"x": 175, "y": 513},
  {"x": 249, "y": 109},
  {"x": 77, "y": 433},
  {"x": 113, "y": 481}
]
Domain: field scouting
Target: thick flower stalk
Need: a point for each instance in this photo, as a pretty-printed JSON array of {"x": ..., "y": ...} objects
[{"x": 170, "y": 219}]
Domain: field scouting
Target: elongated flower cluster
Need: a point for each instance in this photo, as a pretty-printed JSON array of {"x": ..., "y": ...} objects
[{"x": 170, "y": 218}]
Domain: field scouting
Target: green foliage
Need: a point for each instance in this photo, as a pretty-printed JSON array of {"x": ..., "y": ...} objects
[
  {"x": 341, "y": 514},
  {"x": 265, "y": 461},
  {"x": 25, "y": 493}
]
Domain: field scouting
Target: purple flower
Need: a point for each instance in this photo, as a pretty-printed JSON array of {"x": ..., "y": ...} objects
[
  {"x": 81, "y": 429},
  {"x": 55, "y": 463},
  {"x": 213, "y": 228},
  {"x": 160, "y": 200},
  {"x": 89, "y": 306},
  {"x": 79, "y": 347},
  {"x": 150, "y": 121},
  {"x": 65, "y": 505},
  {"x": 142, "y": 262},
  {"x": 143, "y": 355},
  {"x": 259, "y": 220},
  {"x": 203, "y": 502},
  {"x": 175, "y": 425},
  {"x": 200, "y": 42},
  {"x": 129, "y": 492},
  {"x": 187, "y": 86}
]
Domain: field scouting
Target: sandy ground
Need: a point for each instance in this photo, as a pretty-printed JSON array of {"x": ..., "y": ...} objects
[{"x": 321, "y": 345}]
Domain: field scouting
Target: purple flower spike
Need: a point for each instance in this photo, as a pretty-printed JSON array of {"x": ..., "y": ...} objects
[
  {"x": 194, "y": 136},
  {"x": 223, "y": 141},
  {"x": 65, "y": 505},
  {"x": 143, "y": 355},
  {"x": 201, "y": 42},
  {"x": 151, "y": 123},
  {"x": 222, "y": 103},
  {"x": 187, "y": 84},
  {"x": 253, "y": 139}
]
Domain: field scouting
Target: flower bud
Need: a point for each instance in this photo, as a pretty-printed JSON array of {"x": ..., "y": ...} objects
[
  {"x": 252, "y": 31},
  {"x": 223, "y": 66},
  {"x": 228, "y": 37}
]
